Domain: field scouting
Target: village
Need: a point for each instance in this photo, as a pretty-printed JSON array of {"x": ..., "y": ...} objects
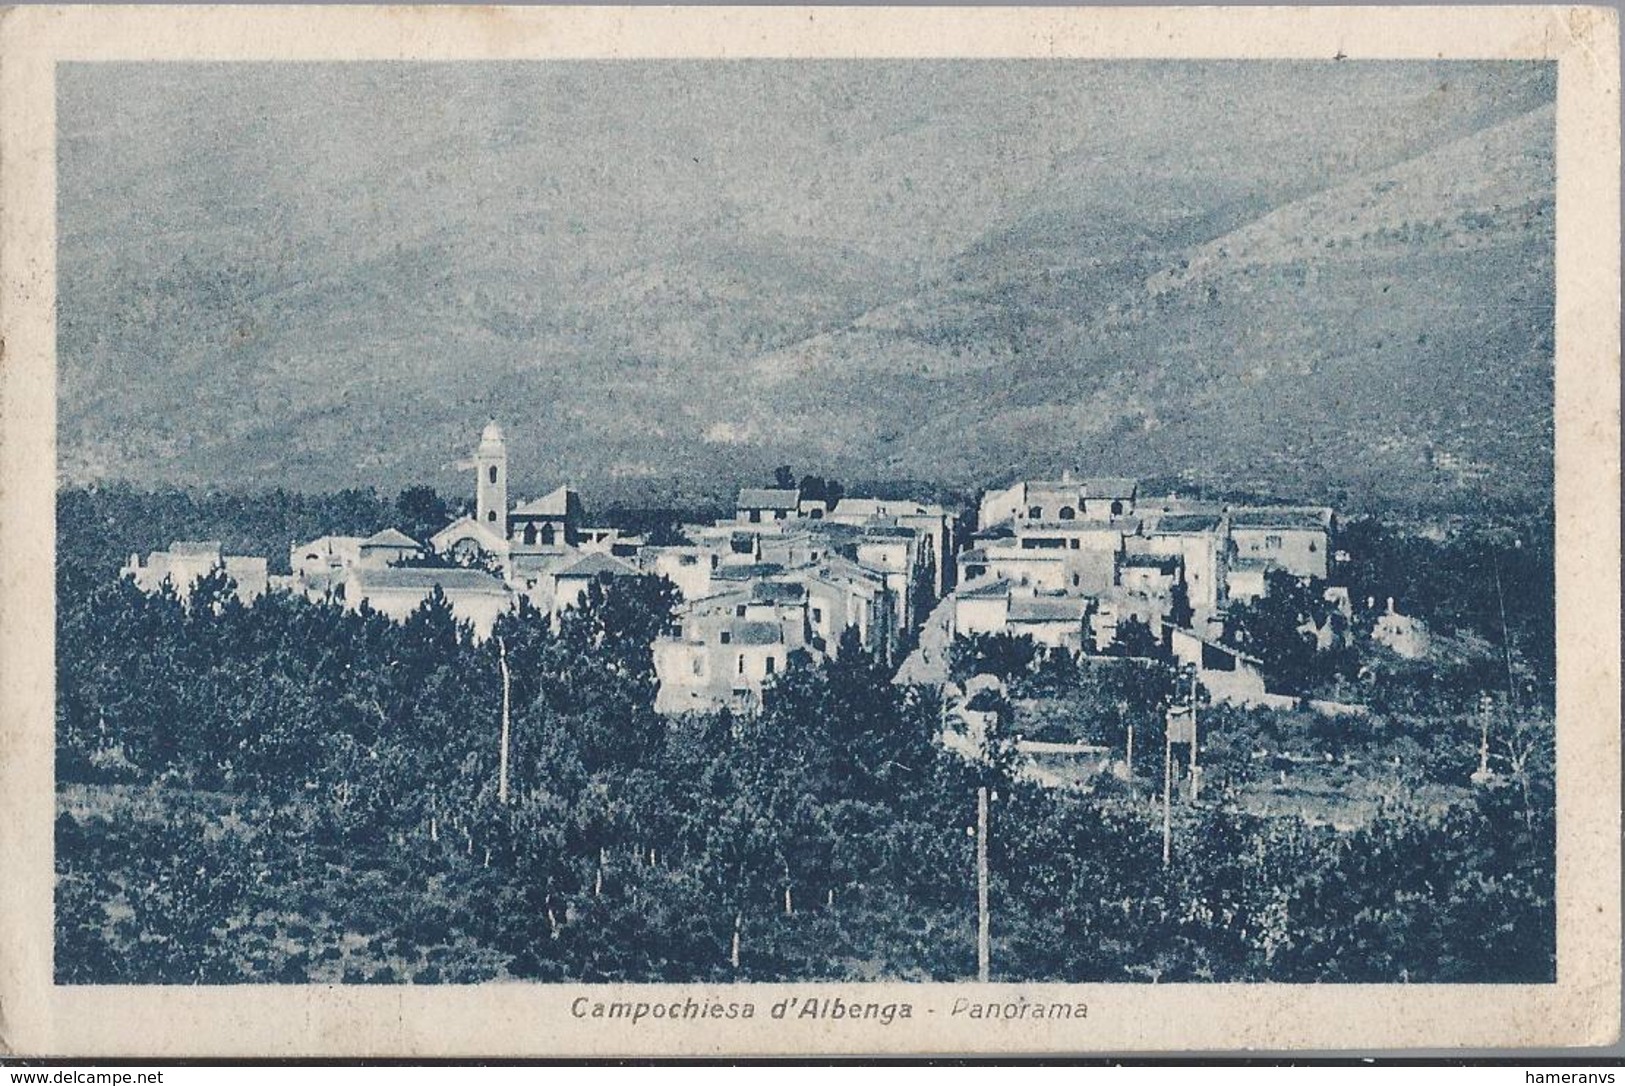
[
  {"x": 1071, "y": 682},
  {"x": 1074, "y": 563}
]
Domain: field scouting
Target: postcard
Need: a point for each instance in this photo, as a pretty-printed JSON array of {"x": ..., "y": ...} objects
[{"x": 804, "y": 531}]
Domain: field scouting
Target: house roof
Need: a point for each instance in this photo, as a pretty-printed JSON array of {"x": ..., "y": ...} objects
[
  {"x": 1108, "y": 486},
  {"x": 756, "y": 633},
  {"x": 195, "y": 547},
  {"x": 595, "y": 564},
  {"x": 328, "y": 543},
  {"x": 768, "y": 498},
  {"x": 747, "y": 571},
  {"x": 995, "y": 589},
  {"x": 560, "y": 503},
  {"x": 842, "y": 572},
  {"x": 1300, "y": 517},
  {"x": 1164, "y": 563},
  {"x": 777, "y": 592},
  {"x": 389, "y": 537},
  {"x": 1218, "y": 646},
  {"x": 1046, "y": 609},
  {"x": 886, "y": 531},
  {"x": 450, "y": 581},
  {"x": 1187, "y": 523}
]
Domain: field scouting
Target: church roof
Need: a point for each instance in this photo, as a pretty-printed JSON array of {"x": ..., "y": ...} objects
[
  {"x": 465, "y": 528},
  {"x": 595, "y": 564},
  {"x": 556, "y": 504},
  {"x": 389, "y": 537},
  {"x": 492, "y": 434},
  {"x": 1110, "y": 487}
]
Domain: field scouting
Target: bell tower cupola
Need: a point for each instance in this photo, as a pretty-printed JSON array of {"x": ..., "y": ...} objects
[{"x": 491, "y": 489}]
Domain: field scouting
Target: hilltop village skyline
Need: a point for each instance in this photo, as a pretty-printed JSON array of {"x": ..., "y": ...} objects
[{"x": 1085, "y": 564}]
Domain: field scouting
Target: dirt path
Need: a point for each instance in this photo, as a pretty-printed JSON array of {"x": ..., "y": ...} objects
[{"x": 927, "y": 665}]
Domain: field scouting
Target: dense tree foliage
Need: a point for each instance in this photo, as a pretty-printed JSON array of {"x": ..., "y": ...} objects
[{"x": 288, "y": 792}]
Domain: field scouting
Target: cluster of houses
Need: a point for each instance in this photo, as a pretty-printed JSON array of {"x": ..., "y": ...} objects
[{"x": 1069, "y": 562}]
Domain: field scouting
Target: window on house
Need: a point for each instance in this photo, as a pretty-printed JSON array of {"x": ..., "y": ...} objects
[
  {"x": 714, "y": 561},
  {"x": 818, "y": 614},
  {"x": 1035, "y": 513},
  {"x": 1068, "y": 513},
  {"x": 771, "y": 664},
  {"x": 1312, "y": 547},
  {"x": 740, "y": 610},
  {"x": 530, "y": 534},
  {"x": 756, "y": 516},
  {"x": 1073, "y": 543},
  {"x": 548, "y": 535},
  {"x": 817, "y": 513},
  {"x": 1117, "y": 509},
  {"x": 726, "y": 637},
  {"x": 1272, "y": 542},
  {"x": 1075, "y": 580},
  {"x": 491, "y": 515},
  {"x": 492, "y": 473},
  {"x": 778, "y": 514},
  {"x": 741, "y": 663}
]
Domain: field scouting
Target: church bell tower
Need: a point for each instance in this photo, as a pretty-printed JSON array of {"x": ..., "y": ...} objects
[{"x": 491, "y": 489}]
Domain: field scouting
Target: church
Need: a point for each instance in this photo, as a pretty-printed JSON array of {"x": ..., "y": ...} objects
[{"x": 534, "y": 545}]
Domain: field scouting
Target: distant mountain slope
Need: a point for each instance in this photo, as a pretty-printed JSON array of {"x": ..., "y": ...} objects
[
  {"x": 1389, "y": 337},
  {"x": 1332, "y": 279}
]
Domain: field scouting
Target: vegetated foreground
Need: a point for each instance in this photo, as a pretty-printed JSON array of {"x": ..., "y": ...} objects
[{"x": 290, "y": 793}]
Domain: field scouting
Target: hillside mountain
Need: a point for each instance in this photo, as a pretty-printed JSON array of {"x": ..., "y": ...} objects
[
  {"x": 1388, "y": 338},
  {"x": 1325, "y": 279}
]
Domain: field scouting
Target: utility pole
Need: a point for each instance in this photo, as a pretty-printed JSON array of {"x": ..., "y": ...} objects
[
  {"x": 1195, "y": 786},
  {"x": 983, "y": 947},
  {"x": 1128, "y": 757},
  {"x": 502, "y": 761},
  {"x": 1506, "y": 641},
  {"x": 1167, "y": 791},
  {"x": 1485, "y": 702}
]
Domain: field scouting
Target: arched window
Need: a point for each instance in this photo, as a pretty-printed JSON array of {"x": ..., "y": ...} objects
[
  {"x": 1117, "y": 509},
  {"x": 548, "y": 535},
  {"x": 530, "y": 535},
  {"x": 1068, "y": 513},
  {"x": 491, "y": 516},
  {"x": 492, "y": 473}
]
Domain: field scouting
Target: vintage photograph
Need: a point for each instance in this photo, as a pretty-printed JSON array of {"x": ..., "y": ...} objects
[
  {"x": 577, "y": 547},
  {"x": 1028, "y": 520}
]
